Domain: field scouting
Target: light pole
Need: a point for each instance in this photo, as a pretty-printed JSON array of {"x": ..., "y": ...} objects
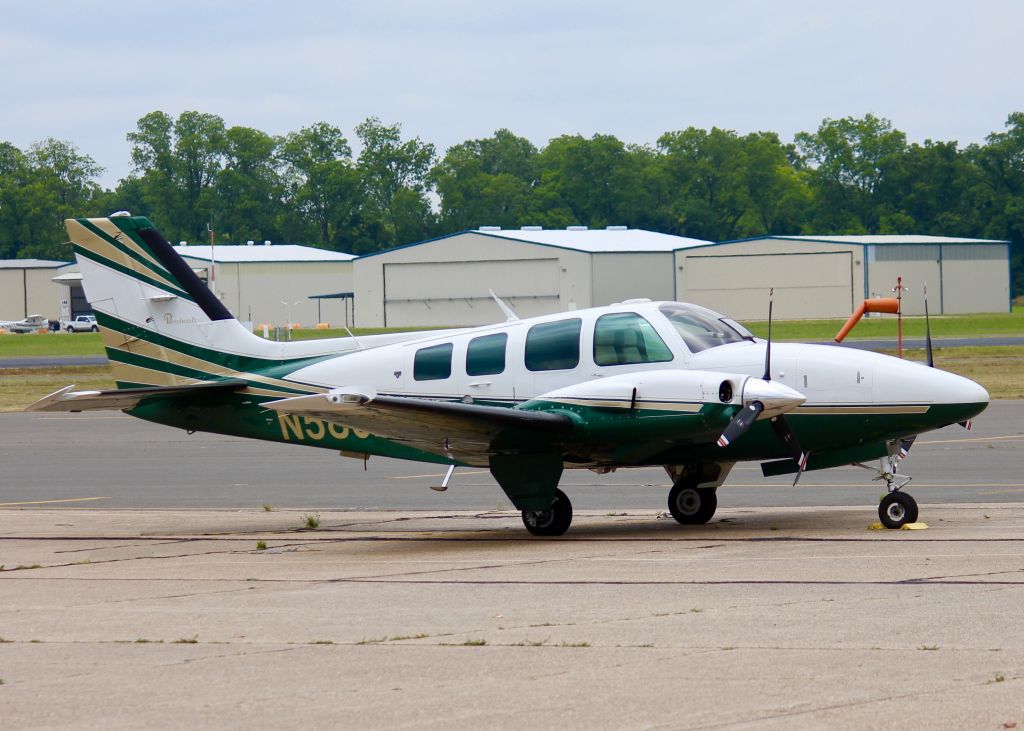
[{"x": 288, "y": 325}]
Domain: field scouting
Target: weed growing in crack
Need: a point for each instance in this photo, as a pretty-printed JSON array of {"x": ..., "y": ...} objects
[
  {"x": 312, "y": 520},
  {"x": 187, "y": 640},
  {"x": 372, "y": 641},
  {"x": 261, "y": 545},
  {"x": 267, "y": 508}
]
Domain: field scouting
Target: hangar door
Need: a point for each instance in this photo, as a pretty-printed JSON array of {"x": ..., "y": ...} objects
[
  {"x": 812, "y": 285},
  {"x": 455, "y": 292}
]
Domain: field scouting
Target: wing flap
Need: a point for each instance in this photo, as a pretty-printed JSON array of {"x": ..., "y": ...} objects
[
  {"x": 67, "y": 399},
  {"x": 440, "y": 427}
]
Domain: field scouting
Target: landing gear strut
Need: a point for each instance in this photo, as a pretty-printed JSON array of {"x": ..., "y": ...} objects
[
  {"x": 551, "y": 522},
  {"x": 689, "y": 505},
  {"x": 897, "y": 508}
]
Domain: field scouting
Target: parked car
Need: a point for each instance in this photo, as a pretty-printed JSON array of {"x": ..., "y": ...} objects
[
  {"x": 82, "y": 323},
  {"x": 30, "y": 324}
]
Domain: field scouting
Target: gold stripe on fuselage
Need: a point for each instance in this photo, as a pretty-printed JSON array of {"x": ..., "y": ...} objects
[
  {"x": 856, "y": 409},
  {"x": 116, "y": 340}
]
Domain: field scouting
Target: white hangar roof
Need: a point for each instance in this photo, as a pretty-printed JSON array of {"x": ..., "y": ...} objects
[
  {"x": 884, "y": 239},
  {"x": 611, "y": 240},
  {"x": 615, "y": 239},
  {"x": 30, "y": 264},
  {"x": 279, "y": 253}
]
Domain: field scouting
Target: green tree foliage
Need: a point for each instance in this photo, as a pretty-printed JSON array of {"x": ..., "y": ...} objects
[
  {"x": 488, "y": 182},
  {"x": 321, "y": 185},
  {"x": 848, "y": 158},
  {"x": 851, "y": 175},
  {"x": 39, "y": 188},
  {"x": 393, "y": 182}
]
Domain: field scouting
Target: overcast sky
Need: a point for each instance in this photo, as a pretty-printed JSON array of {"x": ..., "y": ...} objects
[{"x": 451, "y": 70}]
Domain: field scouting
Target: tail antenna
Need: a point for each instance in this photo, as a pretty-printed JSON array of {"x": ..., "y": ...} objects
[
  {"x": 927, "y": 330},
  {"x": 768, "y": 349}
]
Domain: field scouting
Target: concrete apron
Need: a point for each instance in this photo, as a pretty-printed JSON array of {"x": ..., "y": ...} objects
[{"x": 778, "y": 617}]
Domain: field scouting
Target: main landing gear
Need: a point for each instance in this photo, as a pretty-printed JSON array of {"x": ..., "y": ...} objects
[
  {"x": 551, "y": 522},
  {"x": 689, "y": 505}
]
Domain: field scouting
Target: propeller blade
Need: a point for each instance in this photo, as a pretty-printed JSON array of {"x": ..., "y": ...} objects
[
  {"x": 927, "y": 331},
  {"x": 743, "y": 420},
  {"x": 785, "y": 434}
]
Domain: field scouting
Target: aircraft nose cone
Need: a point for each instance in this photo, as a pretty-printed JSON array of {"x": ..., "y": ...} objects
[{"x": 776, "y": 397}]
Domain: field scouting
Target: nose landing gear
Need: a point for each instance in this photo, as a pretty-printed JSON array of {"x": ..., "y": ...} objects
[{"x": 897, "y": 508}]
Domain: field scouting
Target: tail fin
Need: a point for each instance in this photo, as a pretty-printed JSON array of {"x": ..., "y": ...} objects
[{"x": 161, "y": 325}]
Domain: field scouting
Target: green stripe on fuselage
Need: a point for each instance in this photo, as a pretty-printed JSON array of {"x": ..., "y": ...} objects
[{"x": 270, "y": 367}]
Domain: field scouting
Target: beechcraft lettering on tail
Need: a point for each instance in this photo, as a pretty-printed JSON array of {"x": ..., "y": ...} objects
[{"x": 628, "y": 385}]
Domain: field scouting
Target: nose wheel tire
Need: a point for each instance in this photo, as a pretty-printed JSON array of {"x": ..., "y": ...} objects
[
  {"x": 551, "y": 522},
  {"x": 691, "y": 506},
  {"x": 897, "y": 509}
]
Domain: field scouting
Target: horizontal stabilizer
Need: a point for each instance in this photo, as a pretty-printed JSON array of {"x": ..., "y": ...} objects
[{"x": 125, "y": 398}]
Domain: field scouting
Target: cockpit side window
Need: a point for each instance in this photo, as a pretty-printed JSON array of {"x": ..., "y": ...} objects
[
  {"x": 701, "y": 329},
  {"x": 624, "y": 338}
]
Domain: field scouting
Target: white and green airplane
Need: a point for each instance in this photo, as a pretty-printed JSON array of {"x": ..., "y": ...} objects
[{"x": 634, "y": 384}]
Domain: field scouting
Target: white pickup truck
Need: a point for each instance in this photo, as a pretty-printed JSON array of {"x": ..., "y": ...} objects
[{"x": 82, "y": 323}]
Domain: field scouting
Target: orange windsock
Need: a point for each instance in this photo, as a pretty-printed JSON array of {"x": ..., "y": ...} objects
[{"x": 890, "y": 305}]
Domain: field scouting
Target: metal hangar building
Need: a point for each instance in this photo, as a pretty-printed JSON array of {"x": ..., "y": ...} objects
[
  {"x": 447, "y": 281},
  {"x": 827, "y": 276},
  {"x": 275, "y": 284}
]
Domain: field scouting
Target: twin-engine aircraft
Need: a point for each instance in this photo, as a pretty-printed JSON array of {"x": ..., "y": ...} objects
[{"x": 633, "y": 384}]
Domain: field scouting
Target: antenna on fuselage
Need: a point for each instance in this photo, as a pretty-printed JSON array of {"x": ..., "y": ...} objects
[{"x": 510, "y": 316}]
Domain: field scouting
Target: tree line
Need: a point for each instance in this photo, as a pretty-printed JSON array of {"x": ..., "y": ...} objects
[{"x": 194, "y": 173}]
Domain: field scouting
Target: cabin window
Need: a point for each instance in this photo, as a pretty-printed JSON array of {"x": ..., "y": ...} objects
[
  {"x": 554, "y": 346},
  {"x": 433, "y": 363},
  {"x": 485, "y": 355},
  {"x": 625, "y": 338}
]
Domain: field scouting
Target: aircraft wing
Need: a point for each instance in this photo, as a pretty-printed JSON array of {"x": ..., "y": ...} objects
[
  {"x": 467, "y": 432},
  {"x": 124, "y": 398}
]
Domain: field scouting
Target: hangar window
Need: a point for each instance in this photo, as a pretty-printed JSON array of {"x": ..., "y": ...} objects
[
  {"x": 554, "y": 346},
  {"x": 485, "y": 355},
  {"x": 625, "y": 338},
  {"x": 433, "y": 363}
]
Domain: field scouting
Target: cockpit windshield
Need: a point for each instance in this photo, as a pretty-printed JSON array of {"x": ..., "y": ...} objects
[{"x": 701, "y": 328}]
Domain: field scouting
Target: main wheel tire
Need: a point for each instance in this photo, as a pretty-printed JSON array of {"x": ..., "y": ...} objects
[
  {"x": 551, "y": 522},
  {"x": 897, "y": 509},
  {"x": 691, "y": 506}
]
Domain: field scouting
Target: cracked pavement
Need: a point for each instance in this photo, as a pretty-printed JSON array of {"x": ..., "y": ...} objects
[{"x": 775, "y": 617}]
